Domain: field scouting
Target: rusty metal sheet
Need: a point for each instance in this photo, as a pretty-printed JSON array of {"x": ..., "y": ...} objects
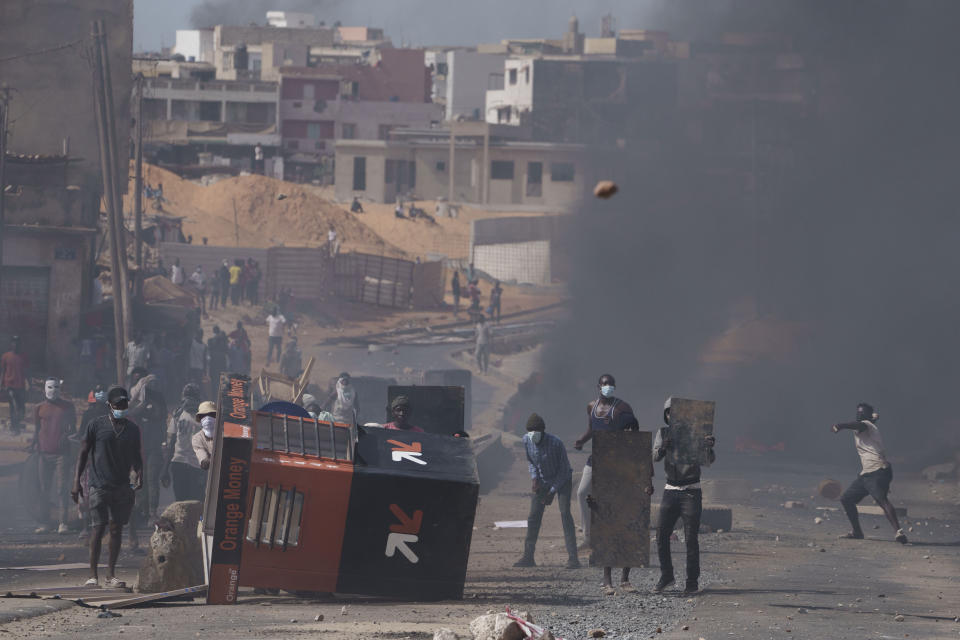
[
  {"x": 620, "y": 519},
  {"x": 690, "y": 422}
]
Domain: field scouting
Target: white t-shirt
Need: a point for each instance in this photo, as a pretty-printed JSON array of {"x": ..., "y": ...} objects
[
  {"x": 275, "y": 325},
  {"x": 870, "y": 448},
  {"x": 176, "y": 274}
]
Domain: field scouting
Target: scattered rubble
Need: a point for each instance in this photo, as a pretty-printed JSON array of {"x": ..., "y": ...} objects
[
  {"x": 445, "y": 634},
  {"x": 498, "y": 626},
  {"x": 935, "y": 472},
  {"x": 818, "y": 520},
  {"x": 794, "y": 504}
]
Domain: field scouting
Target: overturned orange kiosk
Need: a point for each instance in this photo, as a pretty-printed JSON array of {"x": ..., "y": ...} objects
[{"x": 298, "y": 504}]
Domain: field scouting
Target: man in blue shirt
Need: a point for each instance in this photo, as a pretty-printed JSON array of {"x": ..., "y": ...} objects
[{"x": 552, "y": 477}]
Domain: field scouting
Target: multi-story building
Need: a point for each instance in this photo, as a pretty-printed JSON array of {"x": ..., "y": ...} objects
[
  {"x": 465, "y": 162},
  {"x": 461, "y": 78},
  {"x": 52, "y": 189},
  {"x": 327, "y": 102}
]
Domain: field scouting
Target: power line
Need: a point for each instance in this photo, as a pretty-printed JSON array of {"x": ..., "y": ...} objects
[{"x": 38, "y": 52}]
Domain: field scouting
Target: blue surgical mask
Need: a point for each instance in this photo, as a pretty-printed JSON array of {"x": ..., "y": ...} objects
[
  {"x": 119, "y": 413},
  {"x": 607, "y": 390},
  {"x": 535, "y": 436}
]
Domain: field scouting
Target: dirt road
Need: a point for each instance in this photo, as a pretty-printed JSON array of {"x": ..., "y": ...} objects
[{"x": 776, "y": 575}]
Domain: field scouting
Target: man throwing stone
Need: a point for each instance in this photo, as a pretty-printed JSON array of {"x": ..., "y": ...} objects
[
  {"x": 875, "y": 474},
  {"x": 112, "y": 445}
]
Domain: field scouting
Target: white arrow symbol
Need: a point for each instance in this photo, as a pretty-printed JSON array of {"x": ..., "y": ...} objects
[
  {"x": 409, "y": 456},
  {"x": 398, "y": 542}
]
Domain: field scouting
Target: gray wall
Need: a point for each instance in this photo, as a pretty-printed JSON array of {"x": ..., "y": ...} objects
[{"x": 53, "y": 97}]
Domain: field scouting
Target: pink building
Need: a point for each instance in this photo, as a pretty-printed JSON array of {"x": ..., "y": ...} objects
[{"x": 322, "y": 104}]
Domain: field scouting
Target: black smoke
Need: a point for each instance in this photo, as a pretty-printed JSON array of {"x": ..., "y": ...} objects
[{"x": 847, "y": 263}]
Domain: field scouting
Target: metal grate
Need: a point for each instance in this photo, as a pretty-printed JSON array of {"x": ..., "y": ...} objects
[
  {"x": 302, "y": 436},
  {"x": 275, "y": 517}
]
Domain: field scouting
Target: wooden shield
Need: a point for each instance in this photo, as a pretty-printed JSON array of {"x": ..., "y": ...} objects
[
  {"x": 690, "y": 422},
  {"x": 620, "y": 519}
]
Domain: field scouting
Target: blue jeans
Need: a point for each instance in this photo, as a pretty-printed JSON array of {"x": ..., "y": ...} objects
[{"x": 536, "y": 518}]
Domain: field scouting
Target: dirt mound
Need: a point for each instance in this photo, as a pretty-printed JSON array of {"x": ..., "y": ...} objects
[{"x": 257, "y": 211}]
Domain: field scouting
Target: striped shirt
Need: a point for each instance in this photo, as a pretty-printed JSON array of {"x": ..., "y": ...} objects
[{"x": 548, "y": 461}]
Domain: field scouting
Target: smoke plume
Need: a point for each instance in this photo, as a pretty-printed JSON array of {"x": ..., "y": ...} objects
[{"x": 833, "y": 286}]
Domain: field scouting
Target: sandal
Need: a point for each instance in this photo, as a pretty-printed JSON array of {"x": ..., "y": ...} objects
[
  {"x": 114, "y": 583},
  {"x": 626, "y": 587},
  {"x": 609, "y": 591}
]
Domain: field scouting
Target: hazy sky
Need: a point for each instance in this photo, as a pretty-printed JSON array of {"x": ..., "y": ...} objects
[{"x": 418, "y": 22}]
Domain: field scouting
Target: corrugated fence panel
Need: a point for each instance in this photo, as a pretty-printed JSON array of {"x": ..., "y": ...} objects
[
  {"x": 211, "y": 258},
  {"x": 374, "y": 279},
  {"x": 303, "y": 270}
]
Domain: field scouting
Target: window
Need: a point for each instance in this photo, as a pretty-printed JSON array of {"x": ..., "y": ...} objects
[
  {"x": 297, "y": 105},
  {"x": 534, "y": 179},
  {"x": 383, "y": 131},
  {"x": 275, "y": 516},
  {"x": 513, "y": 76},
  {"x": 412, "y": 174},
  {"x": 561, "y": 171},
  {"x": 441, "y": 165},
  {"x": 308, "y": 90},
  {"x": 389, "y": 170},
  {"x": 501, "y": 170},
  {"x": 315, "y": 130},
  {"x": 359, "y": 173},
  {"x": 503, "y": 114},
  {"x": 526, "y": 75},
  {"x": 348, "y": 131}
]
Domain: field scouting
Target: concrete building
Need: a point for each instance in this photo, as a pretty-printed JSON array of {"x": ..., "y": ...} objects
[
  {"x": 53, "y": 184},
  {"x": 321, "y": 104},
  {"x": 468, "y": 162},
  {"x": 579, "y": 98},
  {"x": 195, "y": 45},
  {"x": 360, "y": 34},
  {"x": 463, "y": 77},
  {"x": 221, "y": 118},
  {"x": 255, "y": 51}
]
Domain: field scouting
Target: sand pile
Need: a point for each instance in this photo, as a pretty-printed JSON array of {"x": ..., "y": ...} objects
[{"x": 249, "y": 205}]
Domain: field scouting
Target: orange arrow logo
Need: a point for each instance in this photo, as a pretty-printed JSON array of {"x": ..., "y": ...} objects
[
  {"x": 413, "y": 447},
  {"x": 407, "y": 524}
]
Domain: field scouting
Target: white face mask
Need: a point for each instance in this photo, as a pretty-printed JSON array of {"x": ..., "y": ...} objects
[
  {"x": 51, "y": 389},
  {"x": 535, "y": 436},
  {"x": 607, "y": 390},
  {"x": 208, "y": 424}
]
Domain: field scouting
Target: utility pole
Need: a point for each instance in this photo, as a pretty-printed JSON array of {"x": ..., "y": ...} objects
[
  {"x": 4, "y": 119},
  {"x": 111, "y": 122},
  {"x": 138, "y": 184},
  {"x": 109, "y": 194}
]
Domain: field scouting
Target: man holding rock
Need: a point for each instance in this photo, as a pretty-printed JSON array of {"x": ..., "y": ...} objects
[{"x": 552, "y": 478}]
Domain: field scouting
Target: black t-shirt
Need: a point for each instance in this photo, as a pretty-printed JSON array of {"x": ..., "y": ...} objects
[{"x": 114, "y": 451}]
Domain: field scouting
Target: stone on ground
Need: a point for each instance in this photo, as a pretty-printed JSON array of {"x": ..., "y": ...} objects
[{"x": 175, "y": 558}]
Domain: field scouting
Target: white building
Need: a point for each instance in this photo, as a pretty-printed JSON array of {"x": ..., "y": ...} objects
[
  {"x": 291, "y": 20},
  {"x": 468, "y": 79},
  {"x": 505, "y": 105},
  {"x": 195, "y": 45}
]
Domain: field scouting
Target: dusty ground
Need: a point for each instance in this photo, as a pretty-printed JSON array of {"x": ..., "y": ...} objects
[{"x": 776, "y": 575}]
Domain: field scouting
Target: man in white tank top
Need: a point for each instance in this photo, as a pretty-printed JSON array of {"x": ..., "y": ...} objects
[{"x": 875, "y": 474}]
